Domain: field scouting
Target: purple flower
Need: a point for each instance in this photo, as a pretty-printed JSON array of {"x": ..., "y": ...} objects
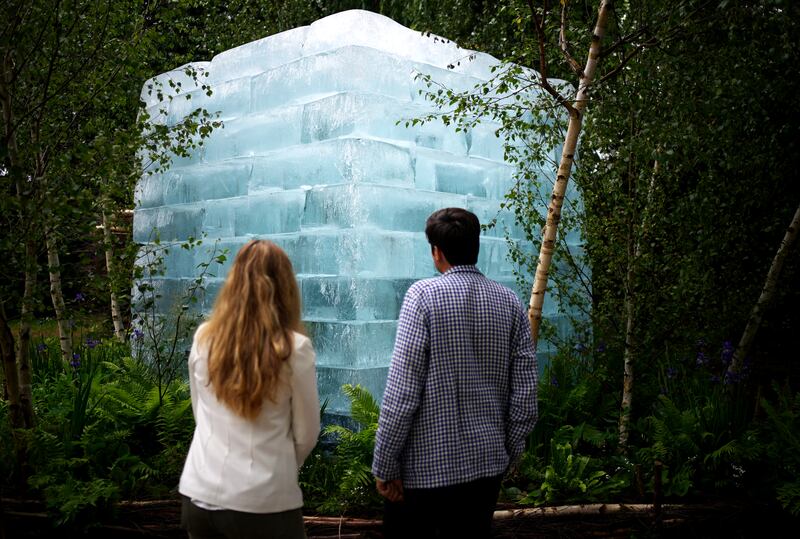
[
  {"x": 79, "y": 297},
  {"x": 137, "y": 334},
  {"x": 672, "y": 372},
  {"x": 727, "y": 352},
  {"x": 41, "y": 347},
  {"x": 701, "y": 359},
  {"x": 601, "y": 347},
  {"x": 91, "y": 343},
  {"x": 554, "y": 381},
  {"x": 76, "y": 361}
]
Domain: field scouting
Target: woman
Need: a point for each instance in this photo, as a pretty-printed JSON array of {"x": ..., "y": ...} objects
[{"x": 255, "y": 403}]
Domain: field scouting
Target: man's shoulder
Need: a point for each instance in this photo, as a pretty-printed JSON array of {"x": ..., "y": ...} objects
[
  {"x": 502, "y": 289},
  {"x": 462, "y": 281},
  {"x": 422, "y": 285}
]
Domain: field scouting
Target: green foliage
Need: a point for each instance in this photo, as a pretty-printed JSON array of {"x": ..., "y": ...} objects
[
  {"x": 71, "y": 498},
  {"x": 670, "y": 177},
  {"x": 102, "y": 433},
  {"x": 569, "y": 477},
  {"x": 574, "y": 390},
  {"x": 565, "y": 477},
  {"x": 344, "y": 481},
  {"x": 698, "y": 439},
  {"x": 776, "y": 441},
  {"x": 685, "y": 165},
  {"x": 165, "y": 319}
]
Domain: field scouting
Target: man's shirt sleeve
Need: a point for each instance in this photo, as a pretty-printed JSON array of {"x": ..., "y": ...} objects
[
  {"x": 524, "y": 371},
  {"x": 406, "y": 380}
]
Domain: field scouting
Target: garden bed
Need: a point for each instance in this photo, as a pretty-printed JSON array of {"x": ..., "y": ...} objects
[{"x": 161, "y": 519}]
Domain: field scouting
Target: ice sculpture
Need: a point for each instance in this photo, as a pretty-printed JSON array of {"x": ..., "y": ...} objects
[{"x": 312, "y": 157}]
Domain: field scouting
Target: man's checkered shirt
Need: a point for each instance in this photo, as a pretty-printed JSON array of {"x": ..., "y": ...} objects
[{"x": 461, "y": 394}]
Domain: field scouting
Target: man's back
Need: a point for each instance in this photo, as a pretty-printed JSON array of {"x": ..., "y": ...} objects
[
  {"x": 461, "y": 395},
  {"x": 464, "y": 362}
]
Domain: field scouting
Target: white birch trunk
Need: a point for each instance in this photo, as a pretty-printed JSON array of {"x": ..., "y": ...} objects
[
  {"x": 629, "y": 360},
  {"x": 57, "y": 296},
  {"x": 564, "y": 171},
  {"x": 764, "y": 300},
  {"x": 631, "y": 352},
  {"x": 116, "y": 314}
]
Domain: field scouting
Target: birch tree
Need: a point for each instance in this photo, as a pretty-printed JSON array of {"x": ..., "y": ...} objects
[
  {"x": 69, "y": 90},
  {"x": 108, "y": 249},
  {"x": 765, "y": 299},
  {"x": 678, "y": 205},
  {"x": 575, "y": 108}
]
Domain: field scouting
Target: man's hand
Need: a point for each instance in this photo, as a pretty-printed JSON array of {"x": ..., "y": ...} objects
[{"x": 392, "y": 490}]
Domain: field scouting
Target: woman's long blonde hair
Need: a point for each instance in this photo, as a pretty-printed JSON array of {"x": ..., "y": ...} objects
[{"x": 249, "y": 333}]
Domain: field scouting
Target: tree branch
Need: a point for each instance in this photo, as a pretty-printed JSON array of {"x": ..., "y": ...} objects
[
  {"x": 562, "y": 40},
  {"x": 538, "y": 24},
  {"x": 624, "y": 40},
  {"x": 628, "y": 57}
]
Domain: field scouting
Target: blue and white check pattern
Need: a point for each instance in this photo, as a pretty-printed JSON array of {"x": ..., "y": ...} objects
[{"x": 461, "y": 394}]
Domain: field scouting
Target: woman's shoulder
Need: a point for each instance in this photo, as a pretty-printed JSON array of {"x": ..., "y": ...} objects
[
  {"x": 200, "y": 341},
  {"x": 303, "y": 349},
  {"x": 201, "y": 334},
  {"x": 300, "y": 340},
  {"x": 201, "y": 328}
]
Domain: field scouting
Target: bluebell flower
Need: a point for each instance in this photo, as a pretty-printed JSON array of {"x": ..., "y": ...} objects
[
  {"x": 672, "y": 372},
  {"x": 41, "y": 347},
  {"x": 137, "y": 334},
  {"x": 76, "y": 361},
  {"x": 554, "y": 381},
  {"x": 79, "y": 297},
  {"x": 91, "y": 343},
  {"x": 702, "y": 359},
  {"x": 601, "y": 347},
  {"x": 727, "y": 352}
]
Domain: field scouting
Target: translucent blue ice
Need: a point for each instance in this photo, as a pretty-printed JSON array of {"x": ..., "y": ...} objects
[{"x": 315, "y": 155}]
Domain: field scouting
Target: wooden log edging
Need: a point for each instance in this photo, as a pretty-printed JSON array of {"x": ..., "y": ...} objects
[
  {"x": 580, "y": 510},
  {"x": 597, "y": 509},
  {"x": 344, "y": 522},
  {"x": 500, "y": 514}
]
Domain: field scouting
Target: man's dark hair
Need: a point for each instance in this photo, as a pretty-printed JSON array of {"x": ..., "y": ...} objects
[{"x": 456, "y": 232}]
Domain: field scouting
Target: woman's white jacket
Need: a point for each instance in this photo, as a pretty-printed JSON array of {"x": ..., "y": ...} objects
[{"x": 245, "y": 465}]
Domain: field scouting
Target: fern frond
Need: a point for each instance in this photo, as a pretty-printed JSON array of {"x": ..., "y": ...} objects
[{"x": 363, "y": 407}]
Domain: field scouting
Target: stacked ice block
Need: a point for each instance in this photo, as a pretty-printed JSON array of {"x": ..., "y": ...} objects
[{"x": 313, "y": 158}]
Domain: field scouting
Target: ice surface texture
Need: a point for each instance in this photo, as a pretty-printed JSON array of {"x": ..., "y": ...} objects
[{"x": 312, "y": 157}]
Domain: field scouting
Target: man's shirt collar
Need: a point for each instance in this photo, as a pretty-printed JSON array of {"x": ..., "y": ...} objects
[{"x": 464, "y": 268}]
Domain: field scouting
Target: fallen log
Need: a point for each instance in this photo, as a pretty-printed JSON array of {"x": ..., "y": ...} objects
[{"x": 579, "y": 510}]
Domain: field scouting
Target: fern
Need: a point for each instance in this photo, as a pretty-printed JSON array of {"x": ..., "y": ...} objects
[
  {"x": 363, "y": 407},
  {"x": 352, "y": 459}
]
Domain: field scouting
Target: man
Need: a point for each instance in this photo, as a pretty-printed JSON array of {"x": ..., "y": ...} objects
[{"x": 460, "y": 399}]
